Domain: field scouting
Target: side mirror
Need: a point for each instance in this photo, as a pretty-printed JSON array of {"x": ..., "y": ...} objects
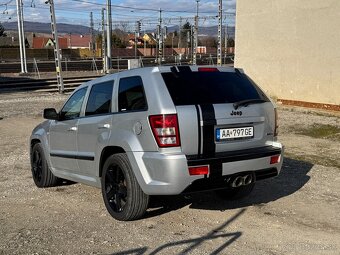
[{"x": 50, "y": 114}]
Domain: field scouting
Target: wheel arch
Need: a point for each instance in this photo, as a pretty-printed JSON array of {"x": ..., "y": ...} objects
[{"x": 107, "y": 152}]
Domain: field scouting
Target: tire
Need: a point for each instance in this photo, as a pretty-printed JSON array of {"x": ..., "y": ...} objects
[
  {"x": 42, "y": 175},
  {"x": 123, "y": 197},
  {"x": 235, "y": 193}
]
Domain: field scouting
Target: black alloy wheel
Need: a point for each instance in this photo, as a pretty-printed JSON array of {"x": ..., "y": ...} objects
[
  {"x": 115, "y": 188},
  {"x": 42, "y": 175},
  {"x": 37, "y": 166},
  {"x": 123, "y": 197}
]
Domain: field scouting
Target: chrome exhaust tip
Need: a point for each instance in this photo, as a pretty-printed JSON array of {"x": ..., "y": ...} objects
[
  {"x": 248, "y": 179},
  {"x": 237, "y": 182}
]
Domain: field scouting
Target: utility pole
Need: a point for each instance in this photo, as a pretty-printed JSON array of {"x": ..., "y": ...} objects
[
  {"x": 165, "y": 34},
  {"x": 160, "y": 41},
  {"x": 188, "y": 43},
  {"x": 93, "y": 44},
  {"x": 56, "y": 48},
  {"x": 192, "y": 39},
  {"x": 21, "y": 36},
  {"x": 145, "y": 43},
  {"x": 194, "y": 60},
  {"x": 219, "y": 47},
  {"x": 109, "y": 36},
  {"x": 226, "y": 37},
  {"x": 137, "y": 35},
  {"x": 172, "y": 44},
  {"x": 157, "y": 43},
  {"x": 103, "y": 42},
  {"x": 180, "y": 33}
]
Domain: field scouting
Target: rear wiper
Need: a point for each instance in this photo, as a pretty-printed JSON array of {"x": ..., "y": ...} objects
[{"x": 248, "y": 102}]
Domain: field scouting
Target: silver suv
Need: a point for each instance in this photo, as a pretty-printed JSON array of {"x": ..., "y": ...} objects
[{"x": 160, "y": 131}]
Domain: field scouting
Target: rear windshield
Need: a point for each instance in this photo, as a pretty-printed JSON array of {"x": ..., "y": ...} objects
[{"x": 188, "y": 88}]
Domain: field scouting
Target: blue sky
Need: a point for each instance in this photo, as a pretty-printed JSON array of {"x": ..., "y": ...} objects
[{"x": 124, "y": 13}]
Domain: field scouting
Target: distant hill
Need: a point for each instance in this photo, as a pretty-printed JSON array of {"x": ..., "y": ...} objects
[{"x": 38, "y": 27}]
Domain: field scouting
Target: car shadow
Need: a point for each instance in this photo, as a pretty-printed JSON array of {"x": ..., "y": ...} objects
[
  {"x": 292, "y": 178},
  {"x": 191, "y": 244}
]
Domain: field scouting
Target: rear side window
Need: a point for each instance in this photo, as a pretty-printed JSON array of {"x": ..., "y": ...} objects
[
  {"x": 131, "y": 95},
  {"x": 100, "y": 98},
  {"x": 189, "y": 88}
]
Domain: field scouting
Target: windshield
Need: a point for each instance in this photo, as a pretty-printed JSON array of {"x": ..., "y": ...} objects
[{"x": 190, "y": 88}]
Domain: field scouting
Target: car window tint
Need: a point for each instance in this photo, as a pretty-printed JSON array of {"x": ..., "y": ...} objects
[
  {"x": 131, "y": 94},
  {"x": 72, "y": 108},
  {"x": 100, "y": 98},
  {"x": 188, "y": 88}
]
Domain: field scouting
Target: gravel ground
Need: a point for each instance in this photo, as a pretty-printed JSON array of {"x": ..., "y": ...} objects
[{"x": 294, "y": 213}]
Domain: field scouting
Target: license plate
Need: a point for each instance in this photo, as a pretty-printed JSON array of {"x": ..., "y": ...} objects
[{"x": 234, "y": 133}]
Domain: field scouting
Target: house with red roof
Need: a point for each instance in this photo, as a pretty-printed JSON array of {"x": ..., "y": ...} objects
[
  {"x": 140, "y": 41},
  {"x": 45, "y": 42},
  {"x": 68, "y": 41},
  {"x": 78, "y": 41}
]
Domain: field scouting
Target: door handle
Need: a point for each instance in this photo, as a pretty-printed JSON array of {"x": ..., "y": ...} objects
[
  {"x": 105, "y": 126},
  {"x": 72, "y": 129}
]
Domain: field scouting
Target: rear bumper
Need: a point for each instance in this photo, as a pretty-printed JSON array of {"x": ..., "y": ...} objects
[
  {"x": 168, "y": 174},
  {"x": 225, "y": 181},
  {"x": 232, "y": 156}
]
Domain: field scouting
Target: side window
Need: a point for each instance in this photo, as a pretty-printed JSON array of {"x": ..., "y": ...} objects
[
  {"x": 100, "y": 98},
  {"x": 72, "y": 108},
  {"x": 131, "y": 94}
]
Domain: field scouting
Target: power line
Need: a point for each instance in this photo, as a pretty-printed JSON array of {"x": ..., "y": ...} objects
[
  {"x": 142, "y": 9},
  {"x": 6, "y": 3}
]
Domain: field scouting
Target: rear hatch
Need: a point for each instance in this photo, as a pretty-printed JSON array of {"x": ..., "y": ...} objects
[{"x": 219, "y": 110}]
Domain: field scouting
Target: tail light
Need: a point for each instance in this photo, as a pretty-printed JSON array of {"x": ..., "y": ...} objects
[
  {"x": 276, "y": 130},
  {"x": 165, "y": 130},
  {"x": 275, "y": 159}
]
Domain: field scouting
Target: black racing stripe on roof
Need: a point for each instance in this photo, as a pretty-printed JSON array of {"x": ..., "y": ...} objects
[
  {"x": 185, "y": 69},
  {"x": 173, "y": 69}
]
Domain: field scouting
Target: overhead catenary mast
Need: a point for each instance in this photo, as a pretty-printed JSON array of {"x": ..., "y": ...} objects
[
  {"x": 194, "y": 60},
  {"x": 103, "y": 42},
  {"x": 109, "y": 36},
  {"x": 219, "y": 47},
  {"x": 21, "y": 36},
  {"x": 160, "y": 40},
  {"x": 93, "y": 44},
  {"x": 57, "y": 57}
]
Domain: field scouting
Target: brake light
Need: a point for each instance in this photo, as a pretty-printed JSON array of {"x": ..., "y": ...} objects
[
  {"x": 165, "y": 130},
  {"x": 276, "y": 130},
  {"x": 208, "y": 69},
  {"x": 198, "y": 170}
]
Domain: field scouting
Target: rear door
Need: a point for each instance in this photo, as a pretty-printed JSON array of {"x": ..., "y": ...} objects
[
  {"x": 94, "y": 128},
  {"x": 209, "y": 120}
]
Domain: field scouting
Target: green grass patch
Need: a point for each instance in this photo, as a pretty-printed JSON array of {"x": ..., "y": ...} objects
[{"x": 320, "y": 131}]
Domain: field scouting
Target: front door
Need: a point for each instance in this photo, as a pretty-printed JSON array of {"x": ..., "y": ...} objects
[{"x": 63, "y": 134}]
